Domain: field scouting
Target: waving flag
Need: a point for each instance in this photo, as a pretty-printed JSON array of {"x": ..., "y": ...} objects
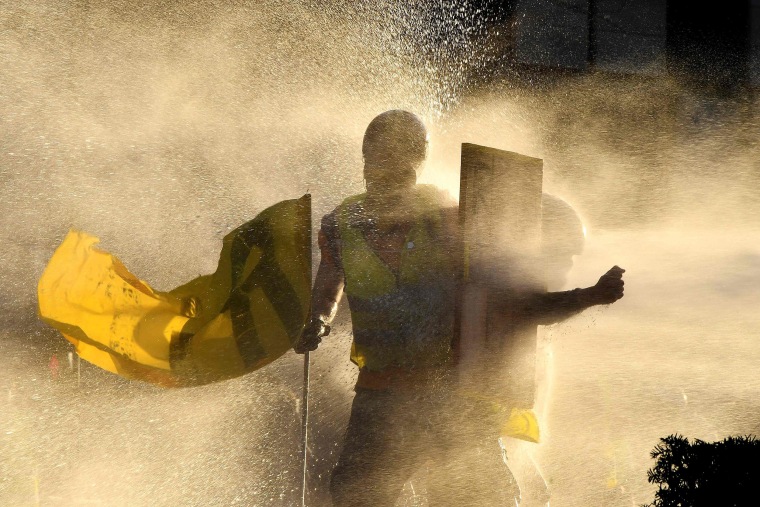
[{"x": 243, "y": 316}]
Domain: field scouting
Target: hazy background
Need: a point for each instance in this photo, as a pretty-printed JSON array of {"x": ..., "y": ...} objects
[{"x": 159, "y": 127}]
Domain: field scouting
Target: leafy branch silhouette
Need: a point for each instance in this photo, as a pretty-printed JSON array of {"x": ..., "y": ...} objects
[{"x": 725, "y": 473}]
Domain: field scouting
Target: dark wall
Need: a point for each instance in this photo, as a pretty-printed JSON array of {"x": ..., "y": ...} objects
[
  {"x": 709, "y": 42},
  {"x": 704, "y": 43}
]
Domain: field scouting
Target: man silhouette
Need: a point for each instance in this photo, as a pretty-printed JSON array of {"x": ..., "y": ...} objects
[{"x": 395, "y": 252}]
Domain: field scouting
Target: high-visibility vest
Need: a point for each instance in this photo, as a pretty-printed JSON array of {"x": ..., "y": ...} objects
[{"x": 403, "y": 319}]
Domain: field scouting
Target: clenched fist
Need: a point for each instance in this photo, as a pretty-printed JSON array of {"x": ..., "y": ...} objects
[
  {"x": 311, "y": 336},
  {"x": 609, "y": 288}
]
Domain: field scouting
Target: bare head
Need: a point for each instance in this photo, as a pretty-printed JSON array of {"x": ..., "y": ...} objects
[
  {"x": 394, "y": 149},
  {"x": 563, "y": 238}
]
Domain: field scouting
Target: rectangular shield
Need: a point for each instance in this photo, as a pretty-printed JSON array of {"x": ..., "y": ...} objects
[{"x": 500, "y": 219}]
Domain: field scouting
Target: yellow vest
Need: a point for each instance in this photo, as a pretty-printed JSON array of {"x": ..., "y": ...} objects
[{"x": 402, "y": 319}]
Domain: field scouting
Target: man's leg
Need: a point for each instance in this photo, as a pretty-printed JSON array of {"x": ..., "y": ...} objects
[
  {"x": 380, "y": 452},
  {"x": 533, "y": 487},
  {"x": 472, "y": 473}
]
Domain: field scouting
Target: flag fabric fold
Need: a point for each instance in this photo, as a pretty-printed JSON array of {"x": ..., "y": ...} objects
[{"x": 243, "y": 316}]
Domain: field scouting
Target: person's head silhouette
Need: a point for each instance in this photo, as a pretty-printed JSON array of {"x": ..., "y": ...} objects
[
  {"x": 563, "y": 237},
  {"x": 394, "y": 149}
]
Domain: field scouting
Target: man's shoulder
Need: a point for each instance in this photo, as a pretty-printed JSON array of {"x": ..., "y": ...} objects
[
  {"x": 436, "y": 195},
  {"x": 330, "y": 220},
  {"x": 432, "y": 195},
  {"x": 349, "y": 204},
  {"x": 438, "y": 201},
  {"x": 351, "y": 201},
  {"x": 329, "y": 237},
  {"x": 443, "y": 208}
]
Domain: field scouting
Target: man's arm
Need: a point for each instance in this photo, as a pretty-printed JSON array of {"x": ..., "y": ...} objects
[
  {"x": 326, "y": 293},
  {"x": 552, "y": 307}
]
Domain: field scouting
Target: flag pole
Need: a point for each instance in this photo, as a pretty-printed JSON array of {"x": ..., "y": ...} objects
[
  {"x": 305, "y": 393},
  {"x": 304, "y": 425}
]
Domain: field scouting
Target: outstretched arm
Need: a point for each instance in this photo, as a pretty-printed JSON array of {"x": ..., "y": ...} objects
[{"x": 552, "y": 307}]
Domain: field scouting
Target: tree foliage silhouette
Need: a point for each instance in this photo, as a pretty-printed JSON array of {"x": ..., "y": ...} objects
[{"x": 703, "y": 474}]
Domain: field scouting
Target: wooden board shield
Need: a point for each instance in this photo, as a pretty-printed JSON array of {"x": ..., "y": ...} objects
[{"x": 500, "y": 219}]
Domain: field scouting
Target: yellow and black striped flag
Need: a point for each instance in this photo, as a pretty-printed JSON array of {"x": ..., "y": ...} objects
[{"x": 245, "y": 315}]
